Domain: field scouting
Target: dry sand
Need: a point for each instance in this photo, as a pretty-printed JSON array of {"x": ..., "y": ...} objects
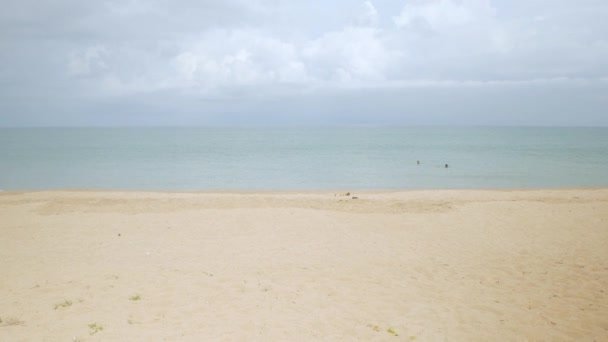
[{"x": 422, "y": 265}]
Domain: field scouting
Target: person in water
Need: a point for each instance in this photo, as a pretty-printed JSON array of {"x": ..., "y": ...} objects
[
  {"x": 418, "y": 162},
  {"x": 446, "y": 166}
]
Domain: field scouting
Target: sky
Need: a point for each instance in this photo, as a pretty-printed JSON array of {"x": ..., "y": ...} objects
[{"x": 303, "y": 62}]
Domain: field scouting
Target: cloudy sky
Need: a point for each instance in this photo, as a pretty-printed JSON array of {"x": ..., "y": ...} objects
[{"x": 407, "y": 62}]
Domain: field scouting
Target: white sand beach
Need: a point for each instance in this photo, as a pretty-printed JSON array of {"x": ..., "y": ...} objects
[{"x": 311, "y": 266}]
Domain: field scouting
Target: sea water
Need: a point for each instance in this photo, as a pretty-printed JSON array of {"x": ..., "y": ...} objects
[{"x": 302, "y": 158}]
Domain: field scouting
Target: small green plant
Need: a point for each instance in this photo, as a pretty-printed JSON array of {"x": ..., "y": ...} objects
[
  {"x": 10, "y": 321},
  {"x": 66, "y": 303},
  {"x": 95, "y": 328},
  {"x": 392, "y": 331},
  {"x": 374, "y": 327},
  {"x": 135, "y": 297},
  {"x": 132, "y": 321}
]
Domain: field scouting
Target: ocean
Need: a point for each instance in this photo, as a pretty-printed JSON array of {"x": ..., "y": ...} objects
[{"x": 302, "y": 158}]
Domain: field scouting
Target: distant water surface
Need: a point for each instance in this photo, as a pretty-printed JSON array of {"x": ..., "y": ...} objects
[{"x": 302, "y": 158}]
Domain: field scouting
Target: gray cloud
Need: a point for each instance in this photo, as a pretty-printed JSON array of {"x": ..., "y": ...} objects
[{"x": 207, "y": 62}]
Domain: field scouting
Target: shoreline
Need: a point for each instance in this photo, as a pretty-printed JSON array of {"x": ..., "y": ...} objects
[{"x": 302, "y": 191}]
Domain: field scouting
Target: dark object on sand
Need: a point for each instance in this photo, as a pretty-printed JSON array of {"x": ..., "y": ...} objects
[{"x": 355, "y": 197}]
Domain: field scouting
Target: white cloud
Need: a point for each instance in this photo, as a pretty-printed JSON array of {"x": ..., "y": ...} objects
[
  {"x": 126, "y": 50},
  {"x": 87, "y": 62},
  {"x": 443, "y": 15},
  {"x": 432, "y": 40},
  {"x": 351, "y": 54},
  {"x": 245, "y": 58},
  {"x": 186, "y": 65},
  {"x": 437, "y": 15},
  {"x": 368, "y": 15}
]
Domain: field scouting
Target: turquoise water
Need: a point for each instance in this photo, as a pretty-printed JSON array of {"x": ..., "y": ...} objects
[{"x": 303, "y": 158}]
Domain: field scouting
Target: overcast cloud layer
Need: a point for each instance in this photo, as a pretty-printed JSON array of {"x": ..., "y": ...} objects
[{"x": 161, "y": 62}]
